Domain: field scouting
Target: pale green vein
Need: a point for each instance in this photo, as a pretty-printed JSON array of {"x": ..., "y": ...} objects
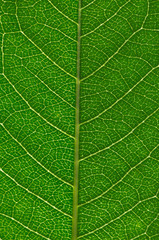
[
  {"x": 139, "y": 236},
  {"x": 142, "y": 142},
  {"x": 141, "y": 28},
  {"x": 76, "y": 160},
  {"x": 120, "y": 180},
  {"x": 111, "y": 55},
  {"x": 43, "y": 200},
  {"x": 33, "y": 156},
  {"x": 2, "y": 53},
  {"x": 25, "y": 99},
  {"x": 48, "y": 56},
  {"x": 49, "y": 87},
  {"x": 106, "y": 20},
  {"x": 148, "y": 8},
  {"x": 62, "y": 12},
  {"x": 36, "y": 111},
  {"x": 148, "y": 29},
  {"x": 88, "y": 4},
  {"x": 113, "y": 220},
  {"x": 130, "y": 90},
  {"x": 121, "y": 139},
  {"x": 47, "y": 26},
  {"x": 135, "y": 57},
  {"x": 13, "y": 219},
  {"x": 30, "y": 40}
]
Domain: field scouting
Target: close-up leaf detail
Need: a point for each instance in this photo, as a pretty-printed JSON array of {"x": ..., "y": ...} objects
[{"x": 79, "y": 119}]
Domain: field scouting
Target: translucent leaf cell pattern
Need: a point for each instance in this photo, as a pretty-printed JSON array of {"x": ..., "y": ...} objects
[{"x": 79, "y": 119}]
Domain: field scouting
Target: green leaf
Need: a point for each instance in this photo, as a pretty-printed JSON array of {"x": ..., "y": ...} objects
[{"x": 79, "y": 119}]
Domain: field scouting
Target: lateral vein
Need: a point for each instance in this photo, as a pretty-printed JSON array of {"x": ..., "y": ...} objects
[
  {"x": 103, "y": 149},
  {"x": 35, "y": 110},
  {"x": 113, "y": 220},
  {"x": 62, "y": 12},
  {"x": 43, "y": 200},
  {"x": 119, "y": 99},
  {"x": 30, "y": 40},
  {"x": 13, "y": 219},
  {"x": 121, "y": 179},
  {"x": 33, "y": 156}
]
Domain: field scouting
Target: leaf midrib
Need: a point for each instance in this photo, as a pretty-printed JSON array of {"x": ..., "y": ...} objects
[{"x": 77, "y": 125}]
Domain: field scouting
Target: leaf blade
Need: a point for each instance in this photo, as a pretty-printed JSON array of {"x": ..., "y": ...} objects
[{"x": 79, "y": 119}]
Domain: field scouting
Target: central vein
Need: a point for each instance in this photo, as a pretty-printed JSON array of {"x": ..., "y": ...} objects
[{"x": 76, "y": 161}]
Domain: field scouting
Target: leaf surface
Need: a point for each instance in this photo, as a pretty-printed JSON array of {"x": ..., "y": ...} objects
[{"x": 79, "y": 119}]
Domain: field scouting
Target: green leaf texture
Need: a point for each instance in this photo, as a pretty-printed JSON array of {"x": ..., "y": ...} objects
[{"x": 79, "y": 119}]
